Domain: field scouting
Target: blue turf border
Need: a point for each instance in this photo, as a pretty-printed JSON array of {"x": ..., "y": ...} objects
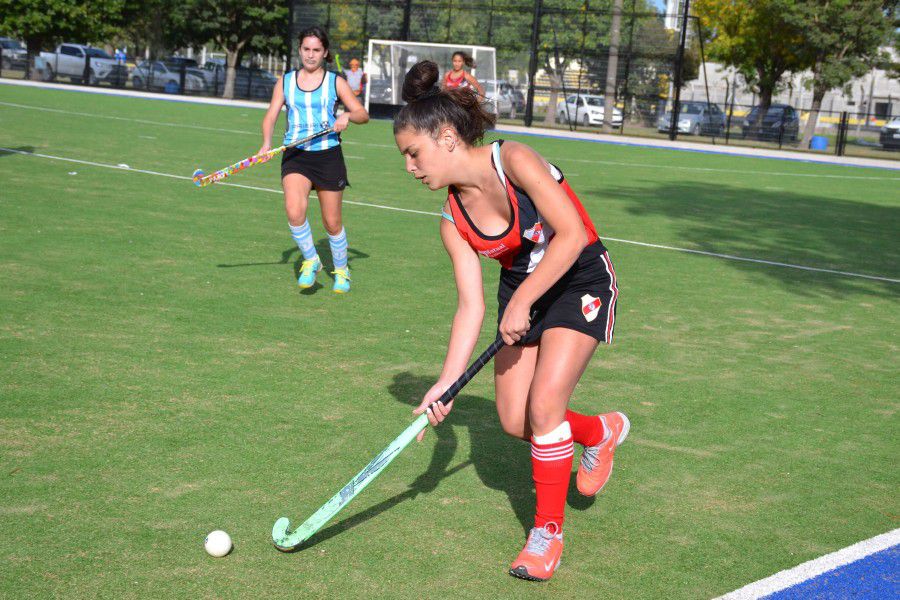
[{"x": 872, "y": 577}]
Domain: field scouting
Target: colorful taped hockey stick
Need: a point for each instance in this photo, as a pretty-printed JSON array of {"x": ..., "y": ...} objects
[
  {"x": 202, "y": 180},
  {"x": 287, "y": 540}
]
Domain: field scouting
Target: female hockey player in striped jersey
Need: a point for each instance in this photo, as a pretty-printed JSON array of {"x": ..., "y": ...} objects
[
  {"x": 557, "y": 294},
  {"x": 310, "y": 95}
]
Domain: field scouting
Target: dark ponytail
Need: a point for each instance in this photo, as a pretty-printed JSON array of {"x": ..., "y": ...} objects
[
  {"x": 318, "y": 33},
  {"x": 429, "y": 108}
]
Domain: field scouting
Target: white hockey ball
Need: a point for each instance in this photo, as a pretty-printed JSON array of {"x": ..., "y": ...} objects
[{"x": 217, "y": 543}]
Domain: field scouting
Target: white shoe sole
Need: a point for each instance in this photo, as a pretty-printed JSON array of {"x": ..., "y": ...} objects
[{"x": 625, "y": 429}]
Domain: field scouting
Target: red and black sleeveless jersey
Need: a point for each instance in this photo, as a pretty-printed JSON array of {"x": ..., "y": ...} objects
[{"x": 521, "y": 247}]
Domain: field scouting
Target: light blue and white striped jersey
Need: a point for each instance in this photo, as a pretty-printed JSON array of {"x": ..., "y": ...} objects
[{"x": 309, "y": 112}]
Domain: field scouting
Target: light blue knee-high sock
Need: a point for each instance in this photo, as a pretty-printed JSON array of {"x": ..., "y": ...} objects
[
  {"x": 338, "y": 245},
  {"x": 302, "y": 234}
]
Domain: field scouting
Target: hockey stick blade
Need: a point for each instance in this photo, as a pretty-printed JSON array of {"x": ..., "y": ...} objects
[{"x": 287, "y": 540}]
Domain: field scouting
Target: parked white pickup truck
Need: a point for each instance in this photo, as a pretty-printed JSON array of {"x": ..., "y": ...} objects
[{"x": 69, "y": 61}]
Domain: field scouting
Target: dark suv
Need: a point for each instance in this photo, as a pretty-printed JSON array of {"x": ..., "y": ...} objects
[{"x": 781, "y": 122}]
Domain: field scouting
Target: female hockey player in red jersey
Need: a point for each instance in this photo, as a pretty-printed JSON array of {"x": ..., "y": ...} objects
[{"x": 557, "y": 294}]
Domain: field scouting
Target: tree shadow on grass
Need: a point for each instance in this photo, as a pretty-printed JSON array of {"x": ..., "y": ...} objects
[
  {"x": 501, "y": 462},
  {"x": 779, "y": 226},
  {"x": 16, "y": 151}
]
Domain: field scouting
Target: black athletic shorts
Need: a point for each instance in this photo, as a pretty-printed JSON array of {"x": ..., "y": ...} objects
[
  {"x": 584, "y": 299},
  {"x": 325, "y": 168}
]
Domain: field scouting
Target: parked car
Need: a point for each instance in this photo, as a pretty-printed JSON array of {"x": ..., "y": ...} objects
[
  {"x": 696, "y": 118},
  {"x": 585, "y": 109},
  {"x": 69, "y": 61},
  {"x": 503, "y": 96},
  {"x": 249, "y": 82},
  {"x": 161, "y": 76},
  {"x": 14, "y": 54},
  {"x": 889, "y": 137},
  {"x": 781, "y": 122}
]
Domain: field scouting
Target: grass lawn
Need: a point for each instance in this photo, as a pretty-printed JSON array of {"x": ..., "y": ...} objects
[{"x": 162, "y": 376}]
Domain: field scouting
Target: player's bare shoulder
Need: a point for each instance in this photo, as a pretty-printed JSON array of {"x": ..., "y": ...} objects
[{"x": 520, "y": 160}]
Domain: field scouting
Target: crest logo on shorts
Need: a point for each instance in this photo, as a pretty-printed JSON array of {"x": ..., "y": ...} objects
[{"x": 590, "y": 306}]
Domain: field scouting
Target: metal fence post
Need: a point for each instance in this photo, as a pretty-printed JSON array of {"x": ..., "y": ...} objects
[
  {"x": 781, "y": 128},
  {"x": 532, "y": 61},
  {"x": 86, "y": 76},
  {"x": 842, "y": 133},
  {"x": 182, "y": 75},
  {"x": 406, "y": 10}
]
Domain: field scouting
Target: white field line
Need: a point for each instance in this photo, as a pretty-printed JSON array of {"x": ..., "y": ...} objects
[
  {"x": 808, "y": 570},
  {"x": 161, "y": 123},
  {"x": 562, "y": 160},
  {"x": 434, "y": 214},
  {"x": 755, "y": 260},
  {"x": 185, "y": 177}
]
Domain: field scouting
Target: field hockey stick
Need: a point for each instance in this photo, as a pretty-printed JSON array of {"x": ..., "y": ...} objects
[
  {"x": 202, "y": 180},
  {"x": 287, "y": 540}
]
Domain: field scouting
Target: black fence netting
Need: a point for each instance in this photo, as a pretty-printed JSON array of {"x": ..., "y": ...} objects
[{"x": 557, "y": 65}]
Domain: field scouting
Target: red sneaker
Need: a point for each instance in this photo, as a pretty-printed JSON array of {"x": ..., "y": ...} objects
[
  {"x": 540, "y": 556},
  {"x": 597, "y": 461}
]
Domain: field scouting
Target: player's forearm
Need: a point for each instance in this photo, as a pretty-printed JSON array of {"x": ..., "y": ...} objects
[
  {"x": 463, "y": 337},
  {"x": 359, "y": 116}
]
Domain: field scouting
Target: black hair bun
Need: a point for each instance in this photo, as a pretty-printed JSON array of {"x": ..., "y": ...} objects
[{"x": 420, "y": 81}]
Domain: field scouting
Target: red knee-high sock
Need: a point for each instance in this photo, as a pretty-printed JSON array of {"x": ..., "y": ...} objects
[
  {"x": 551, "y": 467},
  {"x": 587, "y": 430}
]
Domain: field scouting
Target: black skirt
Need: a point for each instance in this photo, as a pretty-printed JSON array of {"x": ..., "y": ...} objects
[{"x": 324, "y": 168}]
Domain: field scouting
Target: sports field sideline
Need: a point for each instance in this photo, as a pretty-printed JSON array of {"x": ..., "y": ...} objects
[{"x": 162, "y": 375}]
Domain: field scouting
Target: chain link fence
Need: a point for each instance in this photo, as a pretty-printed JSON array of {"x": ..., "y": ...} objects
[{"x": 552, "y": 66}]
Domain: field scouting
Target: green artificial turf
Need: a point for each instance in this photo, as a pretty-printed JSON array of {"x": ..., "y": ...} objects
[{"x": 162, "y": 376}]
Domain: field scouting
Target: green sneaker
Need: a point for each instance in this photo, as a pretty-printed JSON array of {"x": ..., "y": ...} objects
[
  {"x": 341, "y": 281},
  {"x": 308, "y": 271}
]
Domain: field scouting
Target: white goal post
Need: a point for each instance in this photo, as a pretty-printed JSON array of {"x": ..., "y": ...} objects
[{"x": 388, "y": 61}]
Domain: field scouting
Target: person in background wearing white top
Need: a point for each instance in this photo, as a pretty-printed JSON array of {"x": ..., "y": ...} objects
[{"x": 310, "y": 95}]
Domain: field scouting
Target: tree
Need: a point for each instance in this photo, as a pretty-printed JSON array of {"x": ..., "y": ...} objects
[
  {"x": 841, "y": 40},
  {"x": 612, "y": 66},
  {"x": 41, "y": 23},
  {"x": 235, "y": 26},
  {"x": 155, "y": 25},
  {"x": 761, "y": 39}
]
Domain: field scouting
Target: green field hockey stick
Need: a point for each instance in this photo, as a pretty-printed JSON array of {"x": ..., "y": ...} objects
[{"x": 287, "y": 540}]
